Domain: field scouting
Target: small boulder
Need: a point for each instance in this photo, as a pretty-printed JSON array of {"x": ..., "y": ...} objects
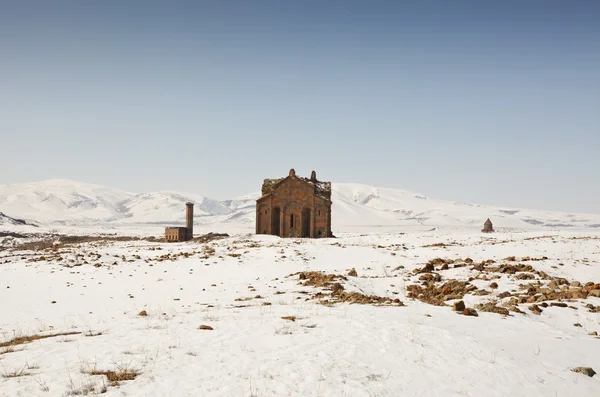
[
  {"x": 353, "y": 273},
  {"x": 558, "y": 304},
  {"x": 535, "y": 309},
  {"x": 205, "y": 327},
  {"x": 584, "y": 370},
  {"x": 470, "y": 312},
  {"x": 494, "y": 285},
  {"x": 458, "y": 306}
]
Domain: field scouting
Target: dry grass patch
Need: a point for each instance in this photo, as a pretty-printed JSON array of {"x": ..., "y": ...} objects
[
  {"x": 318, "y": 279},
  {"x": 115, "y": 377},
  {"x": 17, "y": 373},
  {"x": 26, "y": 339},
  {"x": 437, "y": 296}
]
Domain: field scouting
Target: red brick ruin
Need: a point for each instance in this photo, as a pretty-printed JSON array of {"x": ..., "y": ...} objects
[
  {"x": 177, "y": 234},
  {"x": 294, "y": 207}
]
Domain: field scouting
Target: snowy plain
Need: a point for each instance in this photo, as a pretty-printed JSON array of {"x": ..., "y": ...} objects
[{"x": 275, "y": 335}]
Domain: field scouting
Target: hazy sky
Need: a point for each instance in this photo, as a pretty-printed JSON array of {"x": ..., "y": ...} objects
[{"x": 492, "y": 102}]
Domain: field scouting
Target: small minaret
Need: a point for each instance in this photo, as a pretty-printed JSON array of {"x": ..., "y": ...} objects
[
  {"x": 189, "y": 221},
  {"x": 313, "y": 176},
  {"x": 488, "y": 227}
]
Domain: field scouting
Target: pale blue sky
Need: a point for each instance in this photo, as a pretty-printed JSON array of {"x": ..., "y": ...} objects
[{"x": 495, "y": 103}]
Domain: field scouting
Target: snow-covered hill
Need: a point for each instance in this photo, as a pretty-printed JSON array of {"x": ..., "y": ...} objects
[
  {"x": 355, "y": 207},
  {"x": 9, "y": 220}
]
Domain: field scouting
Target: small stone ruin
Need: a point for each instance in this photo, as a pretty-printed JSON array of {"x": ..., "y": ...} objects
[{"x": 488, "y": 227}]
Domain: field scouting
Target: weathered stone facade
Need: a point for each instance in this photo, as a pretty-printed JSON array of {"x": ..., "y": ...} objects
[
  {"x": 175, "y": 234},
  {"x": 294, "y": 207},
  {"x": 488, "y": 227}
]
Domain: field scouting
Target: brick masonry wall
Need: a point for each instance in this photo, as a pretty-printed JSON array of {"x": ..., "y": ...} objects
[
  {"x": 292, "y": 196},
  {"x": 175, "y": 233}
]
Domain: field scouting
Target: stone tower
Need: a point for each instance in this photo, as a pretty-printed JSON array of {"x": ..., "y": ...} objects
[{"x": 189, "y": 221}]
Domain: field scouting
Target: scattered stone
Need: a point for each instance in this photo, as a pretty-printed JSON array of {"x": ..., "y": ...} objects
[
  {"x": 558, "y": 304},
  {"x": 577, "y": 325},
  {"x": 205, "y": 327},
  {"x": 459, "y": 306},
  {"x": 289, "y": 318},
  {"x": 584, "y": 370},
  {"x": 535, "y": 309},
  {"x": 494, "y": 285},
  {"x": 470, "y": 312},
  {"x": 53, "y": 302},
  {"x": 593, "y": 333},
  {"x": 143, "y": 313},
  {"x": 491, "y": 307},
  {"x": 352, "y": 273},
  {"x": 336, "y": 288}
]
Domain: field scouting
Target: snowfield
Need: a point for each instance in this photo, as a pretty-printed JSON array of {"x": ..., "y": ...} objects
[
  {"x": 246, "y": 316},
  {"x": 356, "y": 208}
]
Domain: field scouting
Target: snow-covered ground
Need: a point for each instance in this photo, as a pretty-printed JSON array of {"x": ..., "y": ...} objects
[{"x": 242, "y": 287}]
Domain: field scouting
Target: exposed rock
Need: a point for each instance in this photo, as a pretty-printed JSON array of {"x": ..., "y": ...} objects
[
  {"x": 494, "y": 285},
  {"x": 585, "y": 370},
  {"x": 458, "y": 306},
  {"x": 470, "y": 312},
  {"x": 535, "y": 309},
  {"x": 353, "y": 273},
  {"x": 205, "y": 327},
  {"x": 558, "y": 304},
  {"x": 337, "y": 288},
  {"x": 490, "y": 307}
]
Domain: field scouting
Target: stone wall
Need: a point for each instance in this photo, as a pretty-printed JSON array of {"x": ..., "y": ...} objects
[{"x": 291, "y": 208}]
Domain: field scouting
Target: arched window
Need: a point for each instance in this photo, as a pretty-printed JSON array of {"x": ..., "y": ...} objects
[{"x": 292, "y": 220}]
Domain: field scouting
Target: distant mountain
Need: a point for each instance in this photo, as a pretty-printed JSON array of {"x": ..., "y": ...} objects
[
  {"x": 355, "y": 206},
  {"x": 7, "y": 220}
]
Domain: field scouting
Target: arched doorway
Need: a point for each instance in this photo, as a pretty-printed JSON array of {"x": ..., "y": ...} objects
[
  {"x": 305, "y": 222},
  {"x": 275, "y": 221}
]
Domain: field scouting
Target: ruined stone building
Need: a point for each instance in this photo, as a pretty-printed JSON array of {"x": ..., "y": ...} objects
[
  {"x": 175, "y": 234},
  {"x": 294, "y": 207},
  {"x": 488, "y": 227}
]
